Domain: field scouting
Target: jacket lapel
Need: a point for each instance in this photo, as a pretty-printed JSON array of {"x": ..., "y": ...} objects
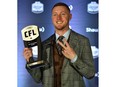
[{"x": 73, "y": 42}]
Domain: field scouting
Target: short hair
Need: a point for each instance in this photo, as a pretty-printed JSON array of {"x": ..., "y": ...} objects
[{"x": 61, "y": 4}]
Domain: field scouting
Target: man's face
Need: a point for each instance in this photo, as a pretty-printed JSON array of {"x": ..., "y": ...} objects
[{"x": 61, "y": 17}]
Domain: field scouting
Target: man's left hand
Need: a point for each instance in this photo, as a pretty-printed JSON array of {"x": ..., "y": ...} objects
[{"x": 67, "y": 51}]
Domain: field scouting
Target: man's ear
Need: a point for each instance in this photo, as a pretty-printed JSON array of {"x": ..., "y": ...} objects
[{"x": 70, "y": 16}]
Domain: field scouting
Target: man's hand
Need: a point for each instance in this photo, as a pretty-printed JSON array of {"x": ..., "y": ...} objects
[
  {"x": 67, "y": 50},
  {"x": 27, "y": 53}
]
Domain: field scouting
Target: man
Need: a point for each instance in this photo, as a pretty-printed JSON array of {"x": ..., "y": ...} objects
[{"x": 68, "y": 66}]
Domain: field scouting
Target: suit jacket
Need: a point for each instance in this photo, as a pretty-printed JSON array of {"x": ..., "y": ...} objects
[{"x": 72, "y": 73}]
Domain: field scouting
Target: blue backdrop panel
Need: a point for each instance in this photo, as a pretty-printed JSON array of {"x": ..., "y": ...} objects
[{"x": 84, "y": 21}]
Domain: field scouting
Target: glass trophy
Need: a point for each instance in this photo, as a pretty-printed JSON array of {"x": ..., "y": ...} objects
[{"x": 31, "y": 38}]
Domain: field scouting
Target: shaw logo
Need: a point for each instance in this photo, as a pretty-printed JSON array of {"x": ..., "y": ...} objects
[
  {"x": 42, "y": 29},
  {"x": 71, "y": 7},
  {"x": 91, "y": 30},
  {"x": 92, "y": 7},
  {"x": 97, "y": 74},
  {"x": 37, "y": 7}
]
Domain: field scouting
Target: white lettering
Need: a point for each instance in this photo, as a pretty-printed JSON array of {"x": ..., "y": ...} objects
[{"x": 91, "y": 30}]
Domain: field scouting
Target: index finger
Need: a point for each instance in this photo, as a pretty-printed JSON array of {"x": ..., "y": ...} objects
[
  {"x": 61, "y": 44},
  {"x": 66, "y": 43}
]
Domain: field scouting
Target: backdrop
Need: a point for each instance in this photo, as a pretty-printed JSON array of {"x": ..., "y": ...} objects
[{"x": 38, "y": 12}]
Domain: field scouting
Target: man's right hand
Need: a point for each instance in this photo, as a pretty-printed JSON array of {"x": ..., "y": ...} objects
[{"x": 27, "y": 53}]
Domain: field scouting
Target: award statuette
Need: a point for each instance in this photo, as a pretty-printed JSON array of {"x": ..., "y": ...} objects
[{"x": 31, "y": 38}]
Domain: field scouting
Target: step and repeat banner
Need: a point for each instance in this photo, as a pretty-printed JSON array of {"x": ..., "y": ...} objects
[{"x": 38, "y": 12}]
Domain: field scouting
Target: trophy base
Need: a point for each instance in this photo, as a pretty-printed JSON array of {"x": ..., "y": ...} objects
[{"x": 37, "y": 64}]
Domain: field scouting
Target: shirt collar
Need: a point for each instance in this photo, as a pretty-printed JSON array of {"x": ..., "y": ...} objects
[{"x": 66, "y": 35}]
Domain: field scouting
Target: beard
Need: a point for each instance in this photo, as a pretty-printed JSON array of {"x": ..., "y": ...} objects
[{"x": 60, "y": 27}]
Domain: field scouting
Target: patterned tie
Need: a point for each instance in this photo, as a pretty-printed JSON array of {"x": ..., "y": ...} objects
[{"x": 59, "y": 48}]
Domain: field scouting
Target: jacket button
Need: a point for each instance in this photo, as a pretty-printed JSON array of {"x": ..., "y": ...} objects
[
  {"x": 63, "y": 84},
  {"x": 62, "y": 72}
]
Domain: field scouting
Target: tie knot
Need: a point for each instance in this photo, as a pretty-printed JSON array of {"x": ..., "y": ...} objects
[
  {"x": 59, "y": 48},
  {"x": 60, "y": 38}
]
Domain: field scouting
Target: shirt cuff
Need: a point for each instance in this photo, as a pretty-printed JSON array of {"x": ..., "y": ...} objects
[{"x": 74, "y": 59}]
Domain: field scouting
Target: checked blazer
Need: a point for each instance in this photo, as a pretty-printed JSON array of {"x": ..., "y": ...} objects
[{"x": 72, "y": 73}]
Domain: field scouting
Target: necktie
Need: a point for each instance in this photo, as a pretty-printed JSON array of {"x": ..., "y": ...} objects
[{"x": 59, "y": 48}]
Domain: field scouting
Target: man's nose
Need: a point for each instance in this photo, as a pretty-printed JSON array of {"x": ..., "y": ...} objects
[{"x": 59, "y": 17}]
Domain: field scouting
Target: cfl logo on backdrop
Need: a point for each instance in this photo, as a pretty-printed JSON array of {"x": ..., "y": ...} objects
[
  {"x": 37, "y": 7},
  {"x": 92, "y": 7}
]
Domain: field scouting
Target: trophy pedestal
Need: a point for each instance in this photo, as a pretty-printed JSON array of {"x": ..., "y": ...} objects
[{"x": 40, "y": 63}]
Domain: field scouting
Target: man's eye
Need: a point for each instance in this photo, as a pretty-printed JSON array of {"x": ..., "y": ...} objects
[
  {"x": 63, "y": 14},
  {"x": 54, "y": 14}
]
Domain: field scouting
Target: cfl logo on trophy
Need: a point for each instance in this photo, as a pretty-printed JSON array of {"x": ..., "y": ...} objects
[
  {"x": 37, "y": 7},
  {"x": 30, "y": 33}
]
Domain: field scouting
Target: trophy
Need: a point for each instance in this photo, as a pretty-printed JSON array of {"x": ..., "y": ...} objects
[{"x": 31, "y": 38}]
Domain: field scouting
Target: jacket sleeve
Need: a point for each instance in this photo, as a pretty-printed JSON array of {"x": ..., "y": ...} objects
[
  {"x": 36, "y": 73},
  {"x": 84, "y": 64}
]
